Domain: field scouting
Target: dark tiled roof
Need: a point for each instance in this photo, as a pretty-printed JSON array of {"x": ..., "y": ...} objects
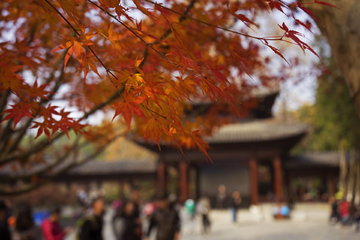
[
  {"x": 328, "y": 159},
  {"x": 254, "y": 131},
  {"x": 259, "y": 93},
  {"x": 130, "y": 166}
]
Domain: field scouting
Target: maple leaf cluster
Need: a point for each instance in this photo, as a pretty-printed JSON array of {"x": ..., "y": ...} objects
[{"x": 143, "y": 60}]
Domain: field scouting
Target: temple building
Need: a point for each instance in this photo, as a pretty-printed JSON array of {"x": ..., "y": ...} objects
[{"x": 256, "y": 143}]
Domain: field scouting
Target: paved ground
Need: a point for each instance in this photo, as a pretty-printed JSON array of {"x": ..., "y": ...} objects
[
  {"x": 281, "y": 230},
  {"x": 247, "y": 229}
]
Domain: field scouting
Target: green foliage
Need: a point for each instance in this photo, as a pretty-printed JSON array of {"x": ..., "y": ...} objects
[{"x": 333, "y": 117}]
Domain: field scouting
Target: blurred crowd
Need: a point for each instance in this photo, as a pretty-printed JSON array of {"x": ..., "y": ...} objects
[
  {"x": 344, "y": 212},
  {"x": 134, "y": 218}
]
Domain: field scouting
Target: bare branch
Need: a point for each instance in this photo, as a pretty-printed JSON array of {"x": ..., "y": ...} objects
[
  {"x": 5, "y": 192},
  {"x": 42, "y": 170},
  {"x": 3, "y": 101}
]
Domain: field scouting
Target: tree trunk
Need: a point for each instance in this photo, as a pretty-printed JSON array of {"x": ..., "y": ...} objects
[
  {"x": 343, "y": 170},
  {"x": 342, "y": 30},
  {"x": 357, "y": 182},
  {"x": 351, "y": 176}
]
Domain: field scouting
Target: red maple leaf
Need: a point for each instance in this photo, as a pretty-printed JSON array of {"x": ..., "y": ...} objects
[
  {"x": 18, "y": 111},
  {"x": 326, "y": 4},
  {"x": 38, "y": 91},
  {"x": 278, "y": 5},
  {"x": 47, "y": 112},
  {"x": 43, "y": 127}
]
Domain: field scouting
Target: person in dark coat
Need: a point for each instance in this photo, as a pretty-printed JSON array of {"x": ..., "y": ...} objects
[
  {"x": 93, "y": 225},
  {"x": 125, "y": 224},
  {"x": 334, "y": 214},
  {"x": 166, "y": 219},
  {"x": 135, "y": 199},
  {"x": 4, "y": 227},
  {"x": 221, "y": 197},
  {"x": 25, "y": 227}
]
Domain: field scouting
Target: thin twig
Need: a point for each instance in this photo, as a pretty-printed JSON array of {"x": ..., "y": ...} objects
[
  {"x": 212, "y": 25},
  {"x": 188, "y": 8},
  {"x": 206, "y": 23},
  {"x": 77, "y": 33},
  {"x": 133, "y": 32}
]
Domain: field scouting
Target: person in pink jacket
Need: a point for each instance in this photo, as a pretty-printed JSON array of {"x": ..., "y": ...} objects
[{"x": 51, "y": 228}]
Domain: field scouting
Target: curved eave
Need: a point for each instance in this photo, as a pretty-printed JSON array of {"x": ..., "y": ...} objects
[{"x": 254, "y": 134}]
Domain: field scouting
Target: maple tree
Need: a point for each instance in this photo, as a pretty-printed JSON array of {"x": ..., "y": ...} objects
[{"x": 140, "y": 59}]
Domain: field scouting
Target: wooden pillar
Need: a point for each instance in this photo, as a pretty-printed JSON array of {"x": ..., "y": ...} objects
[
  {"x": 197, "y": 183},
  {"x": 254, "y": 182},
  {"x": 278, "y": 179},
  {"x": 121, "y": 189},
  {"x": 332, "y": 184},
  {"x": 289, "y": 195},
  {"x": 68, "y": 186},
  {"x": 161, "y": 177},
  {"x": 99, "y": 185},
  {"x": 184, "y": 180}
]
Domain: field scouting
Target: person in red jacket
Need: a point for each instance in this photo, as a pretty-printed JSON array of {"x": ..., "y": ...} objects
[
  {"x": 344, "y": 212},
  {"x": 51, "y": 227}
]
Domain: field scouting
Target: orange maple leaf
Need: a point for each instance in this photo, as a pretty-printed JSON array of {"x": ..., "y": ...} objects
[
  {"x": 75, "y": 45},
  {"x": 130, "y": 106}
]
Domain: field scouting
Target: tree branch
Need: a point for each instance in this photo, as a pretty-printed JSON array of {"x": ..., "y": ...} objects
[
  {"x": 205, "y": 23},
  {"x": 23, "y": 129},
  {"x": 167, "y": 33},
  {"x": 44, "y": 143},
  {"x": 133, "y": 32},
  {"x": 3, "y": 101},
  {"x": 44, "y": 169},
  {"x": 4, "y": 192}
]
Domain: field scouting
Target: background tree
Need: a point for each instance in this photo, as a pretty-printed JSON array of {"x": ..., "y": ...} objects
[
  {"x": 342, "y": 30},
  {"x": 334, "y": 123},
  {"x": 144, "y": 60},
  {"x": 333, "y": 118}
]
